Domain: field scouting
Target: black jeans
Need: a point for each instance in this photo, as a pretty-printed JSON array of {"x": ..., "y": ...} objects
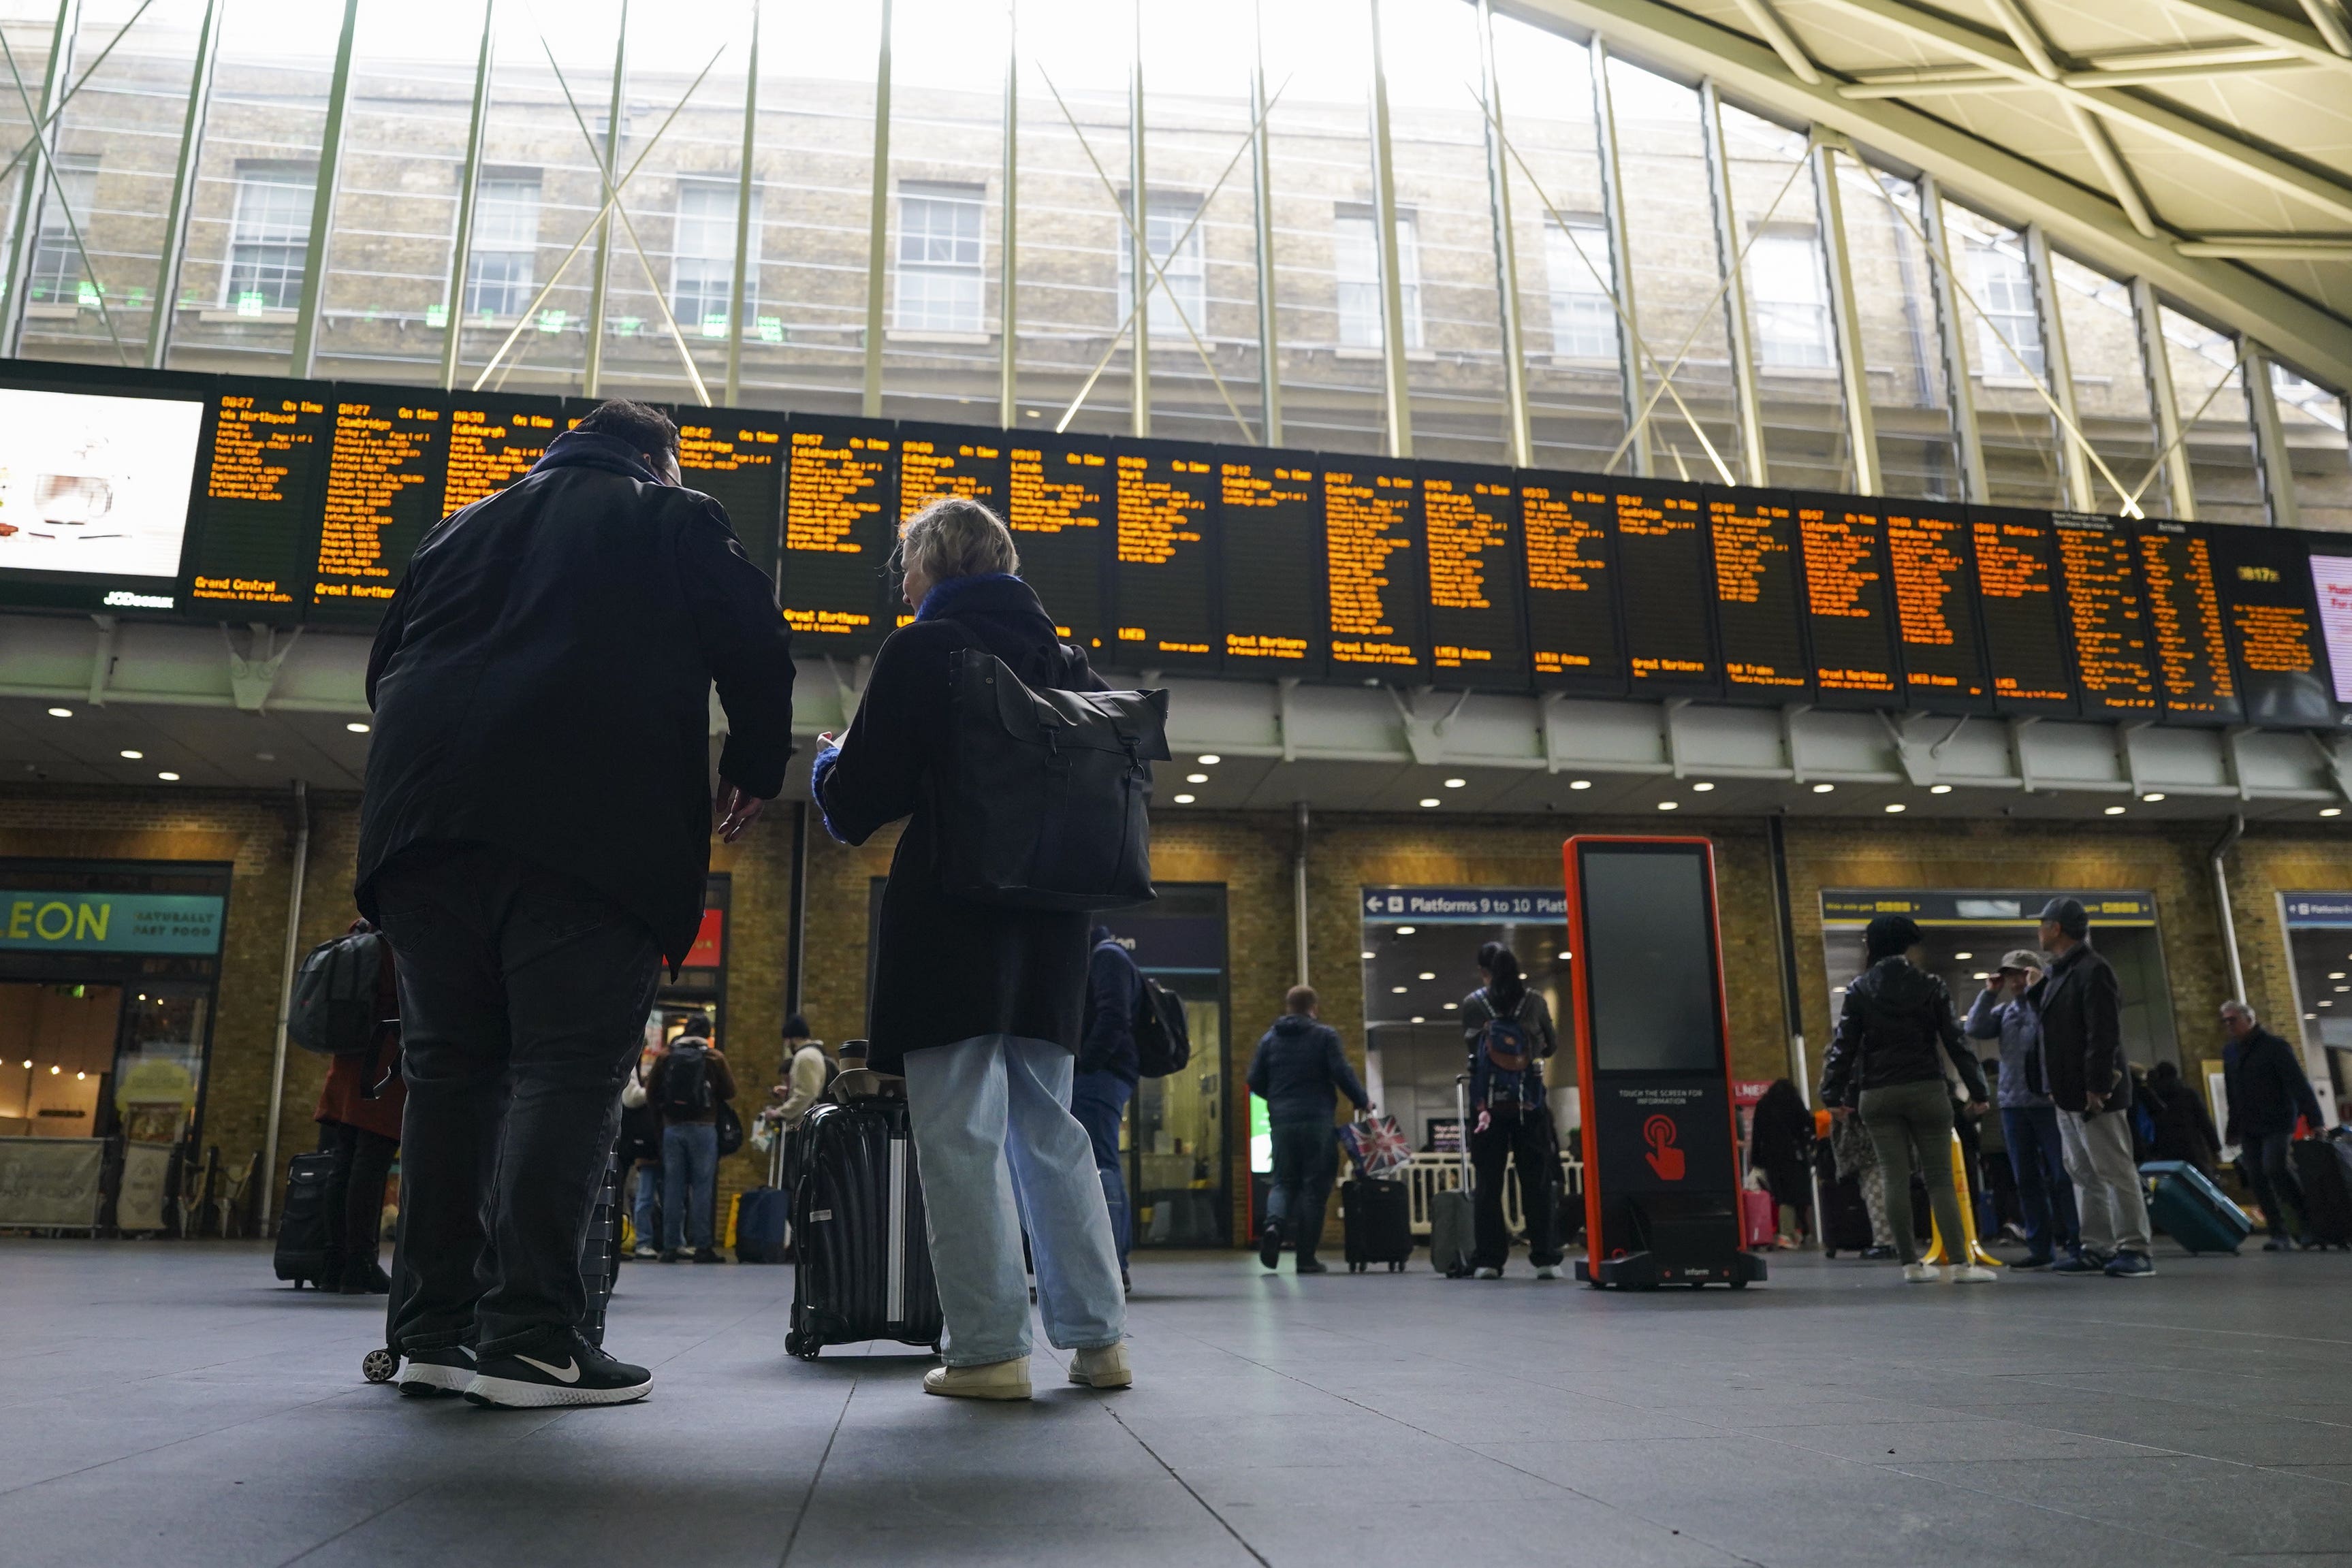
[
  {"x": 1524, "y": 1139},
  {"x": 523, "y": 999},
  {"x": 354, "y": 1196},
  {"x": 1306, "y": 1156},
  {"x": 2269, "y": 1165}
]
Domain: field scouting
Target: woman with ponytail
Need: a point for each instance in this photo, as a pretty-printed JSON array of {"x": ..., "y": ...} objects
[{"x": 1508, "y": 1029}]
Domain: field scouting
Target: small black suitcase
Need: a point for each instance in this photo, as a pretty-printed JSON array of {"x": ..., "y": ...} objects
[
  {"x": 1377, "y": 1218},
  {"x": 2324, "y": 1167},
  {"x": 301, "y": 1254},
  {"x": 861, "y": 1253},
  {"x": 1845, "y": 1217}
]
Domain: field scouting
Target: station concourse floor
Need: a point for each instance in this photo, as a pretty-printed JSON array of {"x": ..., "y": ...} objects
[{"x": 167, "y": 1404}]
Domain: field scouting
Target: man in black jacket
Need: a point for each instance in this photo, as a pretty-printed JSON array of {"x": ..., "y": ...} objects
[
  {"x": 1104, "y": 1079},
  {"x": 2267, "y": 1091},
  {"x": 2083, "y": 1070},
  {"x": 535, "y": 839},
  {"x": 1300, "y": 1071}
]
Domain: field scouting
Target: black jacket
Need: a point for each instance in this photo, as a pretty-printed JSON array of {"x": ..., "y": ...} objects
[
  {"x": 2081, "y": 1007},
  {"x": 1113, "y": 987},
  {"x": 1895, "y": 1023},
  {"x": 947, "y": 969},
  {"x": 2266, "y": 1087},
  {"x": 2184, "y": 1130},
  {"x": 542, "y": 682},
  {"x": 1300, "y": 1071}
]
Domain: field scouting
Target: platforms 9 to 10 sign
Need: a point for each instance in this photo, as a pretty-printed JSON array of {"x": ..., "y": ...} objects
[{"x": 306, "y": 499}]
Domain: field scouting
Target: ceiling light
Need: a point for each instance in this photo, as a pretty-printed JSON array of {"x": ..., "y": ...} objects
[
  {"x": 1983, "y": 974},
  {"x": 2153, "y": 795},
  {"x": 1456, "y": 783},
  {"x": 54, "y": 1070},
  {"x": 1823, "y": 789},
  {"x": 1400, "y": 990},
  {"x": 1368, "y": 952},
  {"x": 28, "y": 1064},
  {"x": 2331, "y": 810},
  {"x": 2336, "y": 974},
  {"x": 169, "y": 778},
  {"x": 79, "y": 1077},
  {"x": 61, "y": 713},
  {"x": 1580, "y": 783},
  {"x": 1451, "y": 1006},
  {"x": 1940, "y": 789},
  {"x": 1431, "y": 800},
  {"x": 1404, "y": 930},
  {"x": 132, "y": 756},
  {"x": 1196, "y": 779},
  {"x": 356, "y": 728},
  {"x": 1211, "y": 760},
  {"x": 2115, "y": 810},
  {"x": 2344, "y": 988},
  {"x": 1185, "y": 800},
  {"x": 1964, "y": 958},
  {"x": 1894, "y": 806},
  {"x": 1428, "y": 975},
  {"x": 1670, "y": 805},
  {"x": 1702, "y": 789}
]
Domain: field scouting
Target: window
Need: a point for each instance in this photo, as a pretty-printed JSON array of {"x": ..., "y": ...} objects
[
  {"x": 1578, "y": 267},
  {"x": 269, "y": 236},
  {"x": 1787, "y": 293},
  {"x": 702, "y": 262},
  {"x": 2009, "y": 334},
  {"x": 940, "y": 287},
  {"x": 498, "y": 275},
  {"x": 1357, "y": 262},
  {"x": 57, "y": 272},
  {"x": 1182, "y": 283}
]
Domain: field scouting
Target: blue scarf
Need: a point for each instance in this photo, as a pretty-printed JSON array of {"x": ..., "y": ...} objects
[{"x": 935, "y": 603}]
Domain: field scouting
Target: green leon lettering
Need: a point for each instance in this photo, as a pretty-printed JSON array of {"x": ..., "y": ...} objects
[
  {"x": 20, "y": 920},
  {"x": 91, "y": 922},
  {"x": 41, "y": 923}
]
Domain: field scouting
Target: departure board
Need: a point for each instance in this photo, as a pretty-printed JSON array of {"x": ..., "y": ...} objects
[
  {"x": 386, "y": 465},
  {"x": 2115, "y": 654},
  {"x": 1759, "y": 595},
  {"x": 1849, "y": 613},
  {"x": 1567, "y": 527},
  {"x": 2273, "y": 624},
  {"x": 937, "y": 460},
  {"x": 493, "y": 440},
  {"x": 258, "y": 545},
  {"x": 1931, "y": 557},
  {"x": 1664, "y": 574},
  {"x": 1059, "y": 495},
  {"x": 1470, "y": 517},
  {"x": 1374, "y": 554},
  {"x": 2017, "y": 589},
  {"x": 1163, "y": 572},
  {"x": 739, "y": 458},
  {"x": 840, "y": 477},
  {"x": 2194, "y": 675},
  {"x": 1270, "y": 569}
]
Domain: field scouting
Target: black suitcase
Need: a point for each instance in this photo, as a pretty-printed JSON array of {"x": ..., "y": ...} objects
[
  {"x": 862, "y": 1256},
  {"x": 301, "y": 1254},
  {"x": 2324, "y": 1167},
  {"x": 1377, "y": 1219},
  {"x": 1845, "y": 1217}
]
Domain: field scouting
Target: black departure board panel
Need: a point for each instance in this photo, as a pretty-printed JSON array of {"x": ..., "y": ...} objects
[
  {"x": 2268, "y": 614},
  {"x": 1665, "y": 588},
  {"x": 739, "y": 458},
  {"x": 1376, "y": 568},
  {"x": 1759, "y": 596},
  {"x": 2017, "y": 589},
  {"x": 2115, "y": 653},
  {"x": 387, "y": 466},
  {"x": 1163, "y": 568},
  {"x": 2194, "y": 676},
  {"x": 937, "y": 460},
  {"x": 1270, "y": 569},
  {"x": 1059, "y": 495},
  {"x": 1470, "y": 517},
  {"x": 1849, "y": 609},
  {"x": 493, "y": 440},
  {"x": 840, "y": 484},
  {"x": 266, "y": 466},
  {"x": 1568, "y": 530},
  {"x": 1931, "y": 565}
]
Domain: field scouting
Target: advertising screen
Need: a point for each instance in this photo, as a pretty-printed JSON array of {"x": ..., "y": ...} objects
[
  {"x": 2273, "y": 628},
  {"x": 96, "y": 487}
]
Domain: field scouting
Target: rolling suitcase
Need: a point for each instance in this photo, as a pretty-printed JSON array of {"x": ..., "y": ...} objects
[
  {"x": 759, "y": 1223},
  {"x": 1845, "y": 1216},
  {"x": 862, "y": 1257},
  {"x": 2324, "y": 1167},
  {"x": 1376, "y": 1217},
  {"x": 1451, "y": 1218},
  {"x": 301, "y": 1254},
  {"x": 2189, "y": 1208},
  {"x": 1759, "y": 1220}
]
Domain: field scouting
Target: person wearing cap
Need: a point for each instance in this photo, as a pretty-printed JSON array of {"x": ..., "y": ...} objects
[
  {"x": 2029, "y": 1121},
  {"x": 1885, "y": 1061},
  {"x": 2081, "y": 1067}
]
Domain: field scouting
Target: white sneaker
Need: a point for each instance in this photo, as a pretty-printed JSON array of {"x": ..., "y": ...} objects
[
  {"x": 1974, "y": 1274},
  {"x": 1921, "y": 1273},
  {"x": 990, "y": 1380},
  {"x": 1488, "y": 1274},
  {"x": 1103, "y": 1367},
  {"x": 1547, "y": 1270}
]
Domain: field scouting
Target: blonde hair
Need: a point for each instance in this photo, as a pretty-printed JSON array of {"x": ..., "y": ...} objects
[{"x": 955, "y": 536}]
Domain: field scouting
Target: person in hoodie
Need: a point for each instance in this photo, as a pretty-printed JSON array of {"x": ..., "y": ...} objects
[
  {"x": 1300, "y": 1071},
  {"x": 980, "y": 1007},
  {"x": 1886, "y": 1063},
  {"x": 1107, "y": 1071}
]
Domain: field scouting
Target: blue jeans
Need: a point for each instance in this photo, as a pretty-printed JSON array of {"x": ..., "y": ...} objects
[
  {"x": 2045, "y": 1191},
  {"x": 997, "y": 1146},
  {"x": 689, "y": 1181},
  {"x": 1305, "y": 1154},
  {"x": 1099, "y": 1100},
  {"x": 645, "y": 1206}
]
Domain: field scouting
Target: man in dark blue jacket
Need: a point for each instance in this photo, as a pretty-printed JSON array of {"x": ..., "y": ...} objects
[
  {"x": 1299, "y": 1071},
  {"x": 535, "y": 839},
  {"x": 1105, "y": 1077},
  {"x": 2267, "y": 1091}
]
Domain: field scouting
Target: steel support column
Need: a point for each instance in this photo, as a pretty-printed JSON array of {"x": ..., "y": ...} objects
[
  {"x": 25, "y": 240},
  {"x": 1748, "y": 406},
  {"x": 1845, "y": 321},
  {"x": 1951, "y": 338},
  {"x": 1008, "y": 252},
  {"x": 2272, "y": 458},
  {"x": 184, "y": 181},
  {"x": 1621, "y": 270},
  {"x": 593, "y": 368},
  {"x": 2058, "y": 370},
  {"x": 470, "y": 189},
  {"x": 1138, "y": 245},
  {"x": 878, "y": 228},
  {"x": 2164, "y": 399},
  {"x": 740, "y": 292},
  {"x": 329, "y": 180},
  {"x": 1507, "y": 263},
  {"x": 1384, "y": 240},
  {"x": 1269, "y": 344}
]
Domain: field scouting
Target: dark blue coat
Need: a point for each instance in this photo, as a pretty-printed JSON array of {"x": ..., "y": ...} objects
[
  {"x": 1300, "y": 1071},
  {"x": 1113, "y": 987}
]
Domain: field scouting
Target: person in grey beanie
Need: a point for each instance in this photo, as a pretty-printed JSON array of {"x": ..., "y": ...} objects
[{"x": 2081, "y": 1067}]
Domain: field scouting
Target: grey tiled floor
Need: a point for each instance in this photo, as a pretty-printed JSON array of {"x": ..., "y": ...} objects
[{"x": 165, "y": 1404}]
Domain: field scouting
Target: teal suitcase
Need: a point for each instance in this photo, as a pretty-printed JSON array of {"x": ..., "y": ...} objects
[{"x": 2189, "y": 1208}]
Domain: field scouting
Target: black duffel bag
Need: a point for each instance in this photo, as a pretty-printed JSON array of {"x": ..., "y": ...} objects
[{"x": 1041, "y": 802}]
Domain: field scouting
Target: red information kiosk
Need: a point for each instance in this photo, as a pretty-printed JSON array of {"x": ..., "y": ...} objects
[{"x": 1653, "y": 1054}]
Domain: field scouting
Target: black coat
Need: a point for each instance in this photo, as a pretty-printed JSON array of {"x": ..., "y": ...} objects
[
  {"x": 2266, "y": 1087},
  {"x": 1300, "y": 1071},
  {"x": 2184, "y": 1129},
  {"x": 2081, "y": 1007},
  {"x": 542, "y": 678},
  {"x": 948, "y": 969},
  {"x": 1896, "y": 1027}
]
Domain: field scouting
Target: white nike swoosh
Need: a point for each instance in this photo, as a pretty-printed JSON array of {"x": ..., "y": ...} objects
[{"x": 568, "y": 1373}]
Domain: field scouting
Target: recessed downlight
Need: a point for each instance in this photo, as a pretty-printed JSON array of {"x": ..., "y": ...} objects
[
  {"x": 169, "y": 778},
  {"x": 61, "y": 713},
  {"x": 1580, "y": 783},
  {"x": 356, "y": 728},
  {"x": 133, "y": 756},
  {"x": 1431, "y": 800},
  {"x": 1940, "y": 789},
  {"x": 2331, "y": 810},
  {"x": 1823, "y": 789},
  {"x": 1456, "y": 783},
  {"x": 1211, "y": 760},
  {"x": 1196, "y": 779},
  {"x": 2116, "y": 810},
  {"x": 1670, "y": 805},
  {"x": 1183, "y": 799},
  {"x": 1893, "y": 807},
  {"x": 2153, "y": 795},
  {"x": 1702, "y": 788}
]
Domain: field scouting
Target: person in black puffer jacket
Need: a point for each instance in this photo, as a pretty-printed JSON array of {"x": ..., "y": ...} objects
[{"x": 1886, "y": 1060}]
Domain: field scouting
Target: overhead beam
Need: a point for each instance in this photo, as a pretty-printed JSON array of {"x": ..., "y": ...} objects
[
  {"x": 2268, "y": 247},
  {"x": 1775, "y": 32},
  {"x": 2265, "y": 27}
]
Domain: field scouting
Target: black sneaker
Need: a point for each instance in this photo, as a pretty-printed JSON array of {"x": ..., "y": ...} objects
[
  {"x": 1269, "y": 1246},
  {"x": 575, "y": 1373},
  {"x": 707, "y": 1255},
  {"x": 2031, "y": 1262},
  {"x": 430, "y": 1373},
  {"x": 673, "y": 1255},
  {"x": 1312, "y": 1265}
]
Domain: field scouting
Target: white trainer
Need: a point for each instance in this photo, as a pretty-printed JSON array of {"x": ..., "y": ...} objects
[
  {"x": 1974, "y": 1274},
  {"x": 990, "y": 1380},
  {"x": 1547, "y": 1270},
  {"x": 1488, "y": 1274},
  {"x": 1103, "y": 1367},
  {"x": 1921, "y": 1273}
]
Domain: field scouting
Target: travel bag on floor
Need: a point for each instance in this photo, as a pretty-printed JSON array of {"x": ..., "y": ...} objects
[
  {"x": 1759, "y": 1219},
  {"x": 1845, "y": 1216},
  {"x": 760, "y": 1222},
  {"x": 2324, "y": 1167},
  {"x": 862, "y": 1258},
  {"x": 2189, "y": 1208},
  {"x": 1376, "y": 1217},
  {"x": 301, "y": 1254},
  {"x": 1452, "y": 1221}
]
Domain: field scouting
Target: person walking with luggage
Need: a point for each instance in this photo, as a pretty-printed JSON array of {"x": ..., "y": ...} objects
[
  {"x": 2081, "y": 1067},
  {"x": 2184, "y": 1128},
  {"x": 1300, "y": 1069},
  {"x": 359, "y": 1113},
  {"x": 1507, "y": 1030},
  {"x": 2267, "y": 1092},
  {"x": 1886, "y": 1062},
  {"x": 979, "y": 1006},
  {"x": 2029, "y": 1121},
  {"x": 535, "y": 839},
  {"x": 1106, "y": 1073},
  {"x": 1780, "y": 1146},
  {"x": 689, "y": 1083}
]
